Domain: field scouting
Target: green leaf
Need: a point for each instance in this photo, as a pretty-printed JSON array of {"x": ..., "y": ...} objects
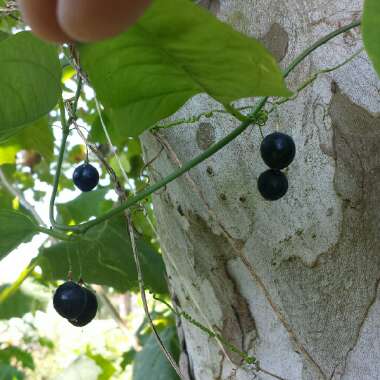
[
  {"x": 15, "y": 228},
  {"x": 176, "y": 50},
  {"x": 104, "y": 256},
  {"x": 108, "y": 369},
  {"x": 84, "y": 207},
  {"x": 151, "y": 364},
  {"x": 7, "y": 372},
  {"x": 128, "y": 358},
  {"x": 371, "y": 30},
  {"x": 24, "y": 358},
  {"x": 23, "y": 301},
  {"x": 36, "y": 136},
  {"x": 30, "y": 81}
]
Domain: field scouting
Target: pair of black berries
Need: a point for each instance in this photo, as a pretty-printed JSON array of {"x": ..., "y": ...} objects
[
  {"x": 277, "y": 151},
  {"x": 85, "y": 177},
  {"x": 75, "y": 303}
]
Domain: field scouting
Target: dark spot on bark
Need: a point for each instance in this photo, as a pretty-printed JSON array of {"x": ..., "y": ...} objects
[
  {"x": 242, "y": 199},
  {"x": 205, "y": 135},
  {"x": 276, "y": 41},
  {"x": 180, "y": 211},
  {"x": 223, "y": 197},
  {"x": 334, "y": 87},
  {"x": 210, "y": 171}
]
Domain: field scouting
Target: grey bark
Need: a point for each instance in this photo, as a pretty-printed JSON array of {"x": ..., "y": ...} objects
[{"x": 293, "y": 282}]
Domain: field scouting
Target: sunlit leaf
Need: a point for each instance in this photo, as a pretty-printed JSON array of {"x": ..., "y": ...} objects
[
  {"x": 176, "y": 50},
  {"x": 108, "y": 369},
  {"x": 37, "y": 136}
]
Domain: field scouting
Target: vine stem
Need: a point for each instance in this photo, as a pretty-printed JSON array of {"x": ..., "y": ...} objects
[
  {"x": 140, "y": 278},
  {"x": 10, "y": 290},
  {"x": 65, "y": 134},
  {"x": 251, "y": 118}
]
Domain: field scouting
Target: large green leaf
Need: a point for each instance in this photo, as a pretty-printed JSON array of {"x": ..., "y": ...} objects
[
  {"x": 104, "y": 256},
  {"x": 15, "y": 228},
  {"x": 37, "y": 136},
  {"x": 371, "y": 31},
  {"x": 176, "y": 51},
  {"x": 24, "y": 300},
  {"x": 29, "y": 83},
  {"x": 151, "y": 364},
  {"x": 3, "y": 35},
  {"x": 84, "y": 207}
]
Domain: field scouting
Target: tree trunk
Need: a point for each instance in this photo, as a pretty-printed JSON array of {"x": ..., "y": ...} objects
[{"x": 292, "y": 282}]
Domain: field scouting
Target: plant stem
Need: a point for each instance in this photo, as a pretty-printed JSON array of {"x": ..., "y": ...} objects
[
  {"x": 81, "y": 228},
  {"x": 65, "y": 134},
  {"x": 318, "y": 44},
  {"x": 55, "y": 233},
  {"x": 10, "y": 290}
]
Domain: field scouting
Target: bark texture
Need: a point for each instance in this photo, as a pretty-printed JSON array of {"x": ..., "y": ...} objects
[{"x": 293, "y": 282}]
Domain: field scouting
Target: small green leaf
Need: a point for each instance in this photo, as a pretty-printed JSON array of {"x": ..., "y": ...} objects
[
  {"x": 15, "y": 228},
  {"x": 108, "y": 369},
  {"x": 371, "y": 30},
  {"x": 176, "y": 50},
  {"x": 24, "y": 358},
  {"x": 128, "y": 358},
  {"x": 151, "y": 364},
  {"x": 30, "y": 81},
  {"x": 104, "y": 256}
]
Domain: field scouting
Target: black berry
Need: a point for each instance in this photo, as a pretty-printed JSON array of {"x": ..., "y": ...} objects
[
  {"x": 272, "y": 184},
  {"x": 86, "y": 177},
  {"x": 278, "y": 150},
  {"x": 69, "y": 300},
  {"x": 89, "y": 311}
]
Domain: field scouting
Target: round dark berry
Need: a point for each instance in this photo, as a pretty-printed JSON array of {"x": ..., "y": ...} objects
[
  {"x": 278, "y": 150},
  {"x": 85, "y": 177},
  {"x": 69, "y": 300},
  {"x": 89, "y": 312},
  {"x": 272, "y": 184}
]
